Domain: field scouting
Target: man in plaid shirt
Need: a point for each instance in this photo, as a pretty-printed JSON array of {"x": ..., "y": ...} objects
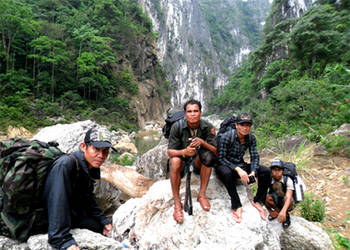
[{"x": 231, "y": 165}]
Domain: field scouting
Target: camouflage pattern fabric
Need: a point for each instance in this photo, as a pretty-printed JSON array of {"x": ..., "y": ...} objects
[{"x": 24, "y": 166}]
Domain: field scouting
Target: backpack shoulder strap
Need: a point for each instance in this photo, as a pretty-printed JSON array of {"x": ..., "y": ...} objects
[
  {"x": 285, "y": 179},
  {"x": 232, "y": 133},
  {"x": 181, "y": 125}
]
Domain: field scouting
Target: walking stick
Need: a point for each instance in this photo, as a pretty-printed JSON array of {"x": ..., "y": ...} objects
[{"x": 188, "y": 198}]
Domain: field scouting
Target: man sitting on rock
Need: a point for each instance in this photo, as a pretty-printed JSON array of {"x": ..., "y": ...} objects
[
  {"x": 182, "y": 148},
  {"x": 231, "y": 165},
  {"x": 279, "y": 200},
  {"x": 69, "y": 187}
]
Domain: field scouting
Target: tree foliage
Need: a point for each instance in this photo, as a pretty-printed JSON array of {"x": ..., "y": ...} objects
[
  {"x": 298, "y": 79},
  {"x": 71, "y": 58}
]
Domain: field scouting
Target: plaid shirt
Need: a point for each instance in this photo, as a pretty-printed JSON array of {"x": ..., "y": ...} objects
[{"x": 231, "y": 154}]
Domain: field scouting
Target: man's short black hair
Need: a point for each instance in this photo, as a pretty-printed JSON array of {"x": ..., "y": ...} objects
[{"x": 191, "y": 102}]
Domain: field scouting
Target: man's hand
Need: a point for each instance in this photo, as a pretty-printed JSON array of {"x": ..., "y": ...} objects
[
  {"x": 282, "y": 216},
  {"x": 107, "y": 229},
  {"x": 252, "y": 174},
  {"x": 196, "y": 142},
  {"x": 190, "y": 151},
  {"x": 73, "y": 247},
  {"x": 243, "y": 174}
]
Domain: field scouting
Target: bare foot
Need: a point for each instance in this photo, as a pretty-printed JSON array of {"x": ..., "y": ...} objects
[
  {"x": 261, "y": 210},
  {"x": 237, "y": 215},
  {"x": 178, "y": 214}
]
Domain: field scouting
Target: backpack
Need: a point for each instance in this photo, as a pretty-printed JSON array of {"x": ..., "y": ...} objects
[
  {"x": 170, "y": 120},
  {"x": 298, "y": 184},
  {"x": 24, "y": 166},
  {"x": 229, "y": 125}
]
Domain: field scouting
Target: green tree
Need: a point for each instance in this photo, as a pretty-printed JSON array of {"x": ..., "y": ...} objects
[
  {"x": 15, "y": 17},
  {"x": 51, "y": 52},
  {"x": 314, "y": 39}
]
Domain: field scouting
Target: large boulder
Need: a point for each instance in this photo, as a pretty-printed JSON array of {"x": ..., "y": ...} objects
[
  {"x": 68, "y": 136},
  {"x": 153, "y": 164},
  {"x": 85, "y": 239},
  {"x": 343, "y": 130},
  {"x": 18, "y": 132},
  {"x": 148, "y": 223}
]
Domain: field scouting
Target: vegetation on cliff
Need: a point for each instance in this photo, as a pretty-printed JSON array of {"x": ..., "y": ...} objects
[
  {"x": 73, "y": 58},
  {"x": 297, "y": 81}
]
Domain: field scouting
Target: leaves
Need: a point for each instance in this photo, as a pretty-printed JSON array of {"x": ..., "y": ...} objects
[
  {"x": 298, "y": 79},
  {"x": 50, "y": 48}
]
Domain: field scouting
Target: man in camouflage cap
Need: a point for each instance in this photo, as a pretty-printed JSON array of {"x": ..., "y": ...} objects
[{"x": 68, "y": 192}]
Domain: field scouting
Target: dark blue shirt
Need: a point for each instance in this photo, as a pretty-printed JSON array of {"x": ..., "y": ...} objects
[{"x": 66, "y": 192}]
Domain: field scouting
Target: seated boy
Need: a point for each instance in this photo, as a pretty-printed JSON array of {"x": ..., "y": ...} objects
[{"x": 279, "y": 200}]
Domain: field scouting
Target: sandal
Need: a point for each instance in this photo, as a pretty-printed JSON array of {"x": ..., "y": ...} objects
[
  {"x": 286, "y": 224},
  {"x": 236, "y": 217},
  {"x": 204, "y": 202},
  {"x": 178, "y": 214},
  {"x": 271, "y": 218}
]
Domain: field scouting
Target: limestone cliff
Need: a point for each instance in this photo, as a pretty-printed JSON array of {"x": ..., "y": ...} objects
[{"x": 195, "y": 68}]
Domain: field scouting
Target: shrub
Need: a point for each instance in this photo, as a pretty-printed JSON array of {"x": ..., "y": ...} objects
[
  {"x": 312, "y": 209},
  {"x": 123, "y": 161},
  {"x": 337, "y": 144}
]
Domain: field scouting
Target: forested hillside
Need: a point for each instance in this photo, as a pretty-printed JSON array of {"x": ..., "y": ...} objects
[
  {"x": 298, "y": 80},
  {"x": 235, "y": 28},
  {"x": 77, "y": 59}
]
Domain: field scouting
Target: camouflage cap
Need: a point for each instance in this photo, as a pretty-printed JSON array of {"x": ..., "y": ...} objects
[
  {"x": 244, "y": 117},
  {"x": 99, "y": 137}
]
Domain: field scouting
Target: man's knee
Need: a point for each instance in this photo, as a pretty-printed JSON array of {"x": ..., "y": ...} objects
[
  {"x": 224, "y": 172},
  {"x": 264, "y": 171},
  {"x": 176, "y": 164},
  {"x": 269, "y": 201},
  {"x": 206, "y": 157}
]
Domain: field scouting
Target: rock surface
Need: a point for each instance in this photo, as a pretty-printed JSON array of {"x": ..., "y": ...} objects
[{"x": 148, "y": 223}]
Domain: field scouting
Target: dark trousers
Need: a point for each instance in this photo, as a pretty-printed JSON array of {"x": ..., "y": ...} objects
[
  {"x": 83, "y": 222},
  {"x": 229, "y": 177}
]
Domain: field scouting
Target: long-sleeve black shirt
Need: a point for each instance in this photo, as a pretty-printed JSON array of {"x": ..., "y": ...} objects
[{"x": 66, "y": 192}]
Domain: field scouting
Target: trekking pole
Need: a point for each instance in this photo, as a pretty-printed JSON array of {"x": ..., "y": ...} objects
[{"x": 188, "y": 198}]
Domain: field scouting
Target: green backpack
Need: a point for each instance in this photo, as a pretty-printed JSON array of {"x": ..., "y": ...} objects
[{"x": 24, "y": 166}]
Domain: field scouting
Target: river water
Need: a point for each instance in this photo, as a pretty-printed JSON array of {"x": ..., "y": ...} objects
[{"x": 146, "y": 142}]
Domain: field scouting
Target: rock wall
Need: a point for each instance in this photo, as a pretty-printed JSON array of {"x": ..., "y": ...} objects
[{"x": 186, "y": 51}]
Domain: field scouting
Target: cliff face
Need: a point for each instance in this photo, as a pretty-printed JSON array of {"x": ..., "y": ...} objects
[
  {"x": 236, "y": 28},
  {"x": 201, "y": 43},
  {"x": 284, "y": 9},
  {"x": 151, "y": 101},
  {"x": 186, "y": 51}
]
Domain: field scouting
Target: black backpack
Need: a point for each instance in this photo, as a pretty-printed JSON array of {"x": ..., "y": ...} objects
[
  {"x": 229, "y": 125},
  {"x": 24, "y": 166},
  {"x": 290, "y": 170},
  {"x": 170, "y": 120}
]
